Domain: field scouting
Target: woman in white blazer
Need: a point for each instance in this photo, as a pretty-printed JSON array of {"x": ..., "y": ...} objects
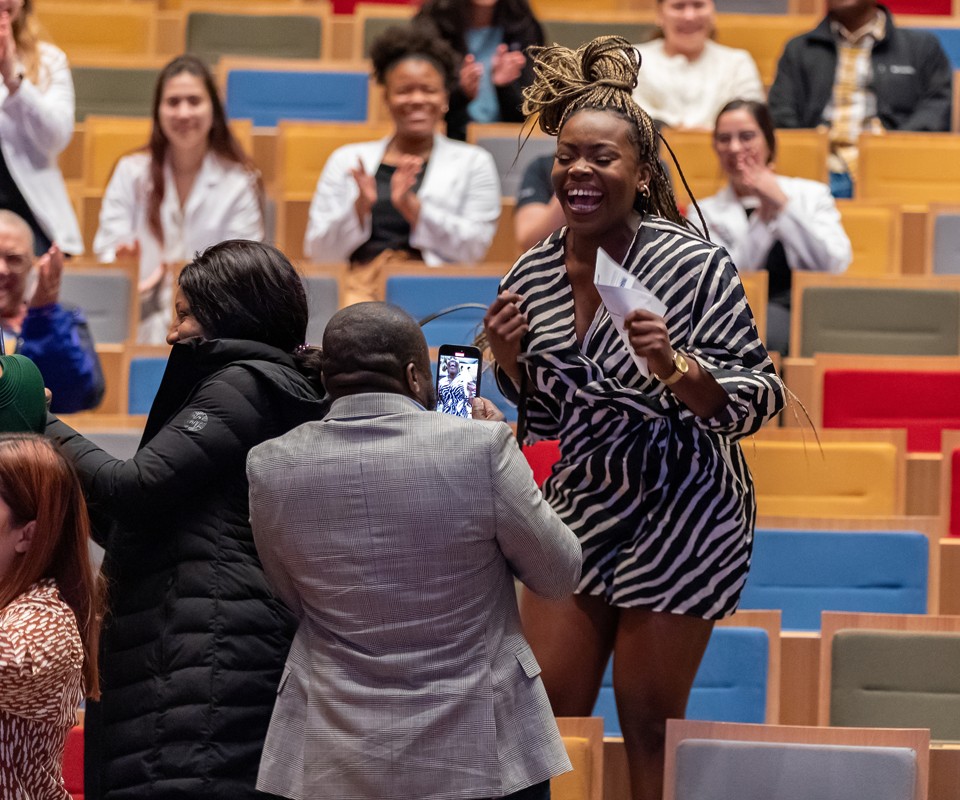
[
  {"x": 36, "y": 123},
  {"x": 414, "y": 195},
  {"x": 192, "y": 186},
  {"x": 767, "y": 221}
]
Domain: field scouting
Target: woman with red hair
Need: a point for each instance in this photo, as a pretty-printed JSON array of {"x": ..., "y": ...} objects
[{"x": 50, "y": 610}]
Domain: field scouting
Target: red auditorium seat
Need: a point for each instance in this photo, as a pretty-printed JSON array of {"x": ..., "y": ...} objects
[
  {"x": 541, "y": 457},
  {"x": 926, "y": 7},
  {"x": 73, "y": 763},
  {"x": 922, "y": 402},
  {"x": 348, "y": 6},
  {"x": 955, "y": 493}
]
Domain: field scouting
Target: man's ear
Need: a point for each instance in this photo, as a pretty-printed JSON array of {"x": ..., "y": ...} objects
[
  {"x": 25, "y": 537},
  {"x": 413, "y": 381}
]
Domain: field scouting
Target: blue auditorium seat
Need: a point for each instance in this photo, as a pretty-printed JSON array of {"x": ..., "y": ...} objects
[
  {"x": 950, "y": 42},
  {"x": 145, "y": 375},
  {"x": 730, "y": 686},
  {"x": 805, "y": 572},
  {"x": 268, "y": 96},
  {"x": 423, "y": 295}
]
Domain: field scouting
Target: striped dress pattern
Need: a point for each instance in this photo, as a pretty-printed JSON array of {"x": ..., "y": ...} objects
[{"x": 661, "y": 500}]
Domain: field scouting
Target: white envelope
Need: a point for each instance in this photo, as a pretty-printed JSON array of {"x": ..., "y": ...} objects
[{"x": 622, "y": 293}]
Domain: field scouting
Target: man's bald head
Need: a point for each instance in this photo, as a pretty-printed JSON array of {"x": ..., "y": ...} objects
[
  {"x": 14, "y": 222},
  {"x": 370, "y": 347}
]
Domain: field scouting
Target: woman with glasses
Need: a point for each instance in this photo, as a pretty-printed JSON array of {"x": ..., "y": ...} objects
[
  {"x": 36, "y": 124},
  {"x": 767, "y": 221}
]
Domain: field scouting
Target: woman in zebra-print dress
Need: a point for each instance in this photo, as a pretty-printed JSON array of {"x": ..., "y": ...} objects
[{"x": 650, "y": 476}]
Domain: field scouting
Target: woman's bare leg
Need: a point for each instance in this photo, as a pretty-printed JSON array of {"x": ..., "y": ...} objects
[
  {"x": 656, "y": 657},
  {"x": 572, "y": 640}
]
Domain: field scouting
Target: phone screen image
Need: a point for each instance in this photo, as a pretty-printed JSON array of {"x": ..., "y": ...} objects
[{"x": 458, "y": 379}]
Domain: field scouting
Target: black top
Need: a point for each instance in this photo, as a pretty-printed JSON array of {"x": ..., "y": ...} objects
[
  {"x": 13, "y": 200},
  {"x": 390, "y": 231},
  {"x": 780, "y": 278}
]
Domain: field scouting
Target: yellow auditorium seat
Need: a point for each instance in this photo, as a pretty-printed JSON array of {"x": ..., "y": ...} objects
[
  {"x": 583, "y": 739},
  {"x": 849, "y": 473},
  {"x": 875, "y": 231},
  {"x": 755, "y": 288},
  {"x": 763, "y": 36},
  {"x": 302, "y": 150},
  {"x": 101, "y": 30},
  {"x": 904, "y": 168},
  {"x": 801, "y": 153}
]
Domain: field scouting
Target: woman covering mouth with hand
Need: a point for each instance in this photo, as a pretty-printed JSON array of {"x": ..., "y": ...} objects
[{"x": 650, "y": 475}]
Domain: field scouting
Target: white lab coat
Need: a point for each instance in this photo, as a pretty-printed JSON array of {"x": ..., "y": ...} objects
[
  {"x": 459, "y": 204},
  {"x": 809, "y": 228},
  {"x": 36, "y": 123},
  {"x": 224, "y": 203}
]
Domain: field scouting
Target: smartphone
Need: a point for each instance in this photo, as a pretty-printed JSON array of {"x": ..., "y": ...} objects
[{"x": 458, "y": 378}]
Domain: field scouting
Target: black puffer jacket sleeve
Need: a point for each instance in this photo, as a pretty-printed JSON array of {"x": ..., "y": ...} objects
[{"x": 210, "y": 433}]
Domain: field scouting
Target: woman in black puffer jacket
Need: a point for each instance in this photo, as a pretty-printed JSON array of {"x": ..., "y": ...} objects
[{"x": 195, "y": 641}]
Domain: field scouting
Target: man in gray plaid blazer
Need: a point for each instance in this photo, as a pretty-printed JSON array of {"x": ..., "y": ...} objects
[{"x": 395, "y": 533}]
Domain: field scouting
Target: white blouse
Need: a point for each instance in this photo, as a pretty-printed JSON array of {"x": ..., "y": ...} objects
[{"x": 689, "y": 94}]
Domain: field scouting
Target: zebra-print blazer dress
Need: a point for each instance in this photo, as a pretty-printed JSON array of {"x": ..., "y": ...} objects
[{"x": 661, "y": 500}]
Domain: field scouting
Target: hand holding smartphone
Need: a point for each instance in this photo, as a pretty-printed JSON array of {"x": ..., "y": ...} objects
[{"x": 458, "y": 379}]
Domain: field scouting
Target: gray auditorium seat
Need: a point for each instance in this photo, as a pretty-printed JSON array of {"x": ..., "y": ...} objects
[
  {"x": 730, "y": 770},
  {"x": 103, "y": 293}
]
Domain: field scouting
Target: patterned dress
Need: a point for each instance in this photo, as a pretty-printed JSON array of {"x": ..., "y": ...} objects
[
  {"x": 661, "y": 500},
  {"x": 452, "y": 396},
  {"x": 41, "y": 674}
]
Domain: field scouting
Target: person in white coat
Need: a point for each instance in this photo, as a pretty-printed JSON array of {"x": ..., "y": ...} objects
[
  {"x": 413, "y": 195},
  {"x": 191, "y": 187},
  {"x": 36, "y": 123},
  {"x": 686, "y": 76},
  {"x": 767, "y": 221}
]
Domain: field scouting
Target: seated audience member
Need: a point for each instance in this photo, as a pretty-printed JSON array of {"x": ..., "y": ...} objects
[
  {"x": 857, "y": 71},
  {"x": 686, "y": 76},
  {"x": 55, "y": 338},
  {"x": 36, "y": 93},
  {"x": 190, "y": 187},
  {"x": 409, "y": 676},
  {"x": 537, "y": 213},
  {"x": 50, "y": 609},
  {"x": 415, "y": 194},
  {"x": 768, "y": 221},
  {"x": 490, "y": 36}
]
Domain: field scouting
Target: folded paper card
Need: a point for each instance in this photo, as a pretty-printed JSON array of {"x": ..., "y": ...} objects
[{"x": 622, "y": 293}]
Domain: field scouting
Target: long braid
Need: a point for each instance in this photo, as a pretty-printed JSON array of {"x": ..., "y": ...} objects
[{"x": 602, "y": 75}]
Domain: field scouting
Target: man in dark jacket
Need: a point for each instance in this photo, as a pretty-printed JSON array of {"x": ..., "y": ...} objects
[{"x": 857, "y": 71}]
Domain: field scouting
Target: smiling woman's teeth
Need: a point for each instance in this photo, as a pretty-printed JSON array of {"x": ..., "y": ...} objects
[{"x": 583, "y": 200}]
